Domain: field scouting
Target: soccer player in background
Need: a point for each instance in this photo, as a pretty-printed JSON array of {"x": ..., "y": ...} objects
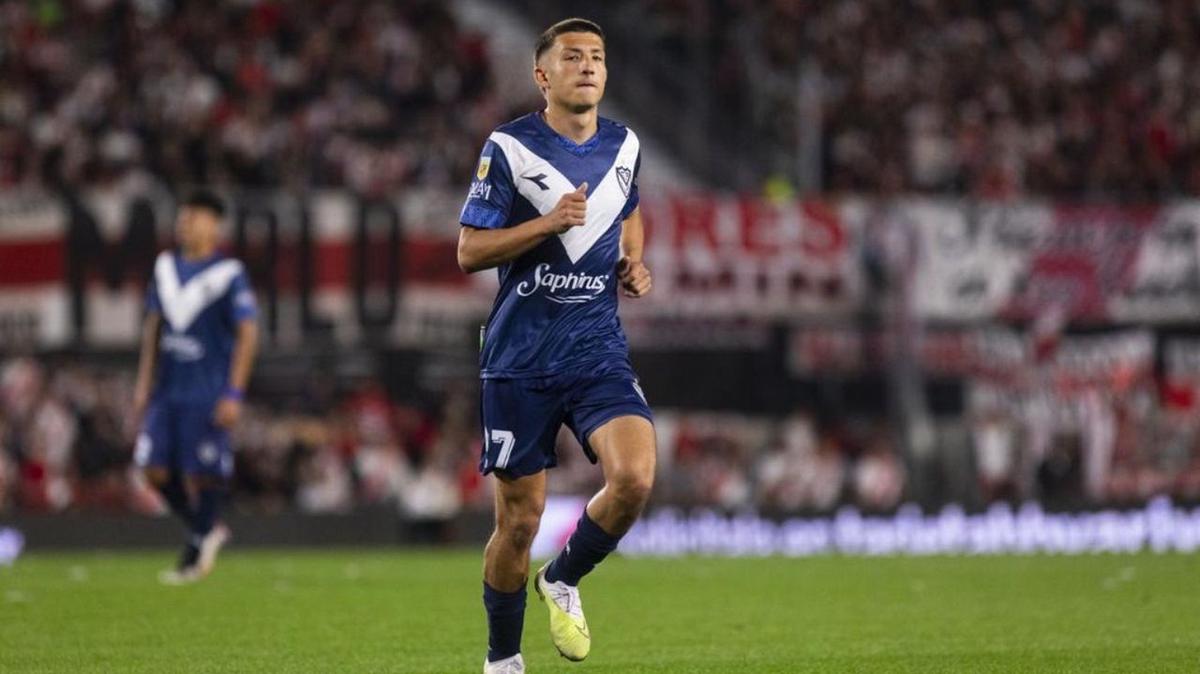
[
  {"x": 554, "y": 207},
  {"x": 199, "y": 339}
]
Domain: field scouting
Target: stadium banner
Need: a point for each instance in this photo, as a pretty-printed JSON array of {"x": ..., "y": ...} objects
[
  {"x": 1159, "y": 527},
  {"x": 999, "y": 355},
  {"x": 338, "y": 266},
  {"x": 1019, "y": 260},
  {"x": 73, "y": 267},
  {"x": 724, "y": 256}
]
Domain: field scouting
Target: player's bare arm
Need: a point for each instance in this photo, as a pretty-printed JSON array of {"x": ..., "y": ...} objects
[
  {"x": 151, "y": 328},
  {"x": 480, "y": 249},
  {"x": 632, "y": 273},
  {"x": 229, "y": 407}
]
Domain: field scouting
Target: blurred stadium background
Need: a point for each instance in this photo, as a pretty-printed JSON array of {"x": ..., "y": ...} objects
[
  {"x": 927, "y": 280},
  {"x": 930, "y": 253}
]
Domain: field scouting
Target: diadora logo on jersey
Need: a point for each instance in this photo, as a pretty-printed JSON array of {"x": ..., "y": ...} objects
[
  {"x": 624, "y": 177},
  {"x": 556, "y": 284},
  {"x": 480, "y": 190},
  {"x": 485, "y": 165},
  {"x": 539, "y": 180}
]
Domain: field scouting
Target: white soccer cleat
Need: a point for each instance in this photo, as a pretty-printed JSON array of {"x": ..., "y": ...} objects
[
  {"x": 568, "y": 627},
  {"x": 209, "y": 547},
  {"x": 176, "y": 577},
  {"x": 513, "y": 665}
]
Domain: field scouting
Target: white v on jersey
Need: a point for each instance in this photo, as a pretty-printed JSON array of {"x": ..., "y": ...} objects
[{"x": 556, "y": 309}]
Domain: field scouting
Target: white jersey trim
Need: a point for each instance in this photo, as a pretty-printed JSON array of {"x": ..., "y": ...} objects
[
  {"x": 182, "y": 303},
  {"x": 604, "y": 204}
]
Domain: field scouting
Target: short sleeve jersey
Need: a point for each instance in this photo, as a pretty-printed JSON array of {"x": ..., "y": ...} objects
[
  {"x": 201, "y": 303},
  {"x": 556, "y": 309}
]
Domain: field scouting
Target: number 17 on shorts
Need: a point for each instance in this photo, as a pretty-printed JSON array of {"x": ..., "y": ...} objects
[{"x": 501, "y": 442}]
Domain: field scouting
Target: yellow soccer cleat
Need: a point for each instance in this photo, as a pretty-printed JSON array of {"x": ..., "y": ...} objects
[{"x": 568, "y": 627}]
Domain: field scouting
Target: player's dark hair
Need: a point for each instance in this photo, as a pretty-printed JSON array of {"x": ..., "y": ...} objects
[
  {"x": 574, "y": 25},
  {"x": 207, "y": 200}
]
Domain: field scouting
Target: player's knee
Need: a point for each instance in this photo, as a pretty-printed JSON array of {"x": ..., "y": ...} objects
[
  {"x": 632, "y": 488},
  {"x": 518, "y": 528}
]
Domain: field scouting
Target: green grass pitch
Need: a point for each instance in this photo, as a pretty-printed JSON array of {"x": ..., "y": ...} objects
[{"x": 358, "y": 611}]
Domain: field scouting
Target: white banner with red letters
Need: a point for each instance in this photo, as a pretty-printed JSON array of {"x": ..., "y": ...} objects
[{"x": 73, "y": 269}]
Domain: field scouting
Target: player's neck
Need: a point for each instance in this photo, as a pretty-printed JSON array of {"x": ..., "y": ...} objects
[
  {"x": 575, "y": 126},
  {"x": 198, "y": 254}
]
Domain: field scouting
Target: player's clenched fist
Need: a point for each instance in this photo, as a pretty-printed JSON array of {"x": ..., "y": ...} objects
[
  {"x": 571, "y": 210},
  {"x": 634, "y": 277}
]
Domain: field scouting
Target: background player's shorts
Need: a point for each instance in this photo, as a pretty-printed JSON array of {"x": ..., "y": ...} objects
[
  {"x": 184, "y": 438},
  {"x": 521, "y": 417}
]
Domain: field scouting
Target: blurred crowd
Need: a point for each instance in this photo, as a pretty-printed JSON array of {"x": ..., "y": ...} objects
[
  {"x": 66, "y": 439},
  {"x": 993, "y": 99},
  {"x": 1117, "y": 445},
  {"x": 370, "y": 95}
]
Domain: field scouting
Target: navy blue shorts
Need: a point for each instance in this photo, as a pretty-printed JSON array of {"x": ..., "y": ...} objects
[
  {"x": 521, "y": 417},
  {"x": 183, "y": 438}
]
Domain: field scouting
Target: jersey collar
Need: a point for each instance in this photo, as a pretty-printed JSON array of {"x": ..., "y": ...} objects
[{"x": 577, "y": 149}]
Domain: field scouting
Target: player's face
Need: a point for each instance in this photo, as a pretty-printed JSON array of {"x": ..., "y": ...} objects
[
  {"x": 197, "y": 229},
  {"x": 573, "y": 73}
]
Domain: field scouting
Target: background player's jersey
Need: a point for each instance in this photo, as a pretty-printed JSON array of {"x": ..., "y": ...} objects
[
  {"x": 557, "y": 305},
  {"x": 201, "y": 304}
]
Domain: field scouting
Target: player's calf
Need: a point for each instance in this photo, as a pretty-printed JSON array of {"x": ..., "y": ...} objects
[{"x": 519, "y": 505}]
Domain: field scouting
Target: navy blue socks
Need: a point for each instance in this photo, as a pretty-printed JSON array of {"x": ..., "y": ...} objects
[
  {"x": 506, "y": 618},
  {"x": 208, "y": 506},
  {"x": 587, "y": 547},
  {"x": 177, "y": 500}
]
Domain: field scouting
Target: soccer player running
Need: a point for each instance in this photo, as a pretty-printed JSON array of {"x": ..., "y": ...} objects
[
  {"x": 554, "y": 207},
  {"x": 199, "y": 339}
]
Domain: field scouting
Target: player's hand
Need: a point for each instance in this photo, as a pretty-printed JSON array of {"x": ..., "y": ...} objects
[
  {"x": 634, "y": 277},
  {"x": 228, "y": 411},
  {"x": 571, "y": 211}
]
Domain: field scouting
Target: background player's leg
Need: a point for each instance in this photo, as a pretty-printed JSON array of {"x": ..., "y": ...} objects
[
  {"x": 210, "y": 537},
  {"x": 625, "y": 447},
  {"x": 157, "y": 455},
  {"x": 206, "y": 457},
  {"x": 170, "y": 486},
  {"x": 519, "y": 504},
  {"x": 209, "y": 495}
]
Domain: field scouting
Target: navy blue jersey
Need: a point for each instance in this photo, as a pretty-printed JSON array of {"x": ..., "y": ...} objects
[
  {"x": 557, "y": 305},
  {"x": 201, "y": 304}
]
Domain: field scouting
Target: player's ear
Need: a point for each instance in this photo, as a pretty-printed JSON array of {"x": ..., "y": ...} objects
[{"x": 539, "y": 77}]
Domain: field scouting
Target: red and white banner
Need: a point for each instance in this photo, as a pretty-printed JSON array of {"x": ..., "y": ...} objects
[
  {"x": 1094, "y": 263},
  {"x": 76, "y": 270},
  {"x": 73, "y": 269},
  {"x": 732, "y": 257},
  {"x": 999, "y": 355}
]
